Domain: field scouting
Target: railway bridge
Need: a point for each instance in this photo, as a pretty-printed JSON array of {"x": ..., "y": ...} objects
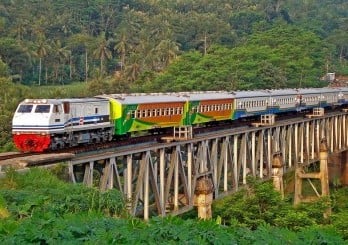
[{"x": 173, "y": 177}]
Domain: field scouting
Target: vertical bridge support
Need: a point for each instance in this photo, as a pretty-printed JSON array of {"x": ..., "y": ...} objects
[
  {"x": 204, "y": 197},
  {"x": 300, "y": 175},
  {"x": 277, "y": 173}
]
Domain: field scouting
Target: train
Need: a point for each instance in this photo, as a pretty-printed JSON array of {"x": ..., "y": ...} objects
[{"x": 40, "y": 125}]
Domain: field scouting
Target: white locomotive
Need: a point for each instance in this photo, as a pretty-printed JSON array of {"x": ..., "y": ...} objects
[{"x": 39, "y": 124}]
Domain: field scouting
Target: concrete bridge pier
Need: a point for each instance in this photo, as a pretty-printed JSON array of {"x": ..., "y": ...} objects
[
  {"x": 277, "y": 173},
  {"x": 204, "y": 197},
  {"x": 322, "y": 176}
]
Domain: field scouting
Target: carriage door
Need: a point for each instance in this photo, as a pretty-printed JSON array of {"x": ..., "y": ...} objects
[
  {"x": 67, "y": 113},
  {"x": 57, "y": 114}
]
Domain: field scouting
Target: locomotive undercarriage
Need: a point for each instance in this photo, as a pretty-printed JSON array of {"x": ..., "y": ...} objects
[{"x": 74, "y": 138}]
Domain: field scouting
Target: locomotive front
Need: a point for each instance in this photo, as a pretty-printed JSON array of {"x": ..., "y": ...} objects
[{"x": 33, "y": 123}]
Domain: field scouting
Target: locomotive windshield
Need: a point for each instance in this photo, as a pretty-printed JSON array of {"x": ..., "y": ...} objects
[
  {"x": 42, "y": 108},
  {"x": 25, "y": 108}
]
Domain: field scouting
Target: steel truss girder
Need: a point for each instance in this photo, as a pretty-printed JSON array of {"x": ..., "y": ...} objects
[{"x": 162, "y": 179}]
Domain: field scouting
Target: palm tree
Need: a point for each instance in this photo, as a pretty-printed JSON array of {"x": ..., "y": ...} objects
[
  {"x": 41, "y": 52},
  {"x": 102, "y": 51},
  {"x": 134, "y": 68},
  {"x": 121, "y": 46},
  {"x": 167, "y": 50},
  {"x": 81, "y": 39},
  {"x": 61, "y": 53}
]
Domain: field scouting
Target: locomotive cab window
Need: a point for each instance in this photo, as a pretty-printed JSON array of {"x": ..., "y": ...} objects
[
  {"x": 42, "y": 109},
  {"x": 25, "y": 108}
]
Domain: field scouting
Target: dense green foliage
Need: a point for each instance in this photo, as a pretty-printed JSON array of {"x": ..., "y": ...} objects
[
  {"x": 56, "y": 41},
  {"x": 258, "y": 204},
  {"x": 284, "y": 56},
  {"x": 36, "y": 207}
]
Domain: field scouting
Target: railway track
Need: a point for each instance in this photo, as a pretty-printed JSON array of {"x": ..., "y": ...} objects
[
  {"x": 150, "y": 139},
  {"x": 12, "y": 155}
]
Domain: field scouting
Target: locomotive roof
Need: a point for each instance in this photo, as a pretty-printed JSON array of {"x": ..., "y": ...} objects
[{"x": 59, "y": 101}]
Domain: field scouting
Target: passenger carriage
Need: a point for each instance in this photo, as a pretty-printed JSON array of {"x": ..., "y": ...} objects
[
  {"x": 210, "y": 106},
  {"x": 132, "y": 113}
]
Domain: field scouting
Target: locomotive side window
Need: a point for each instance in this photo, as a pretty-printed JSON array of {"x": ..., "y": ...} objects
[
  {"x": 42, "y": 109},
  {"x": 25, "y": 108},
  {"x": 56, "y": 109},
  {"x": 66, "y": 106}
]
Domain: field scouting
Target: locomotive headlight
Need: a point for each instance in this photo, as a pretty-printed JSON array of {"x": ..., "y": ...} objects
[{"x": 27, "y": 100}]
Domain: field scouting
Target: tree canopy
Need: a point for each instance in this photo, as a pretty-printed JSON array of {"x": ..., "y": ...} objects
[{"x": 58, "y": 42}]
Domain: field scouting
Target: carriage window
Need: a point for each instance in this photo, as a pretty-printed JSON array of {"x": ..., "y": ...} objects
[
  {"x": 133, "y": 114},
  {"x": 25, "y": 108},
  {"x": 95, "y": 110},
  {"x": 42, "y": 109}
]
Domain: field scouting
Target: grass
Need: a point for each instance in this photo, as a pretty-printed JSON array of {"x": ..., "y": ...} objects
[{"x": 77, "y": 89}]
